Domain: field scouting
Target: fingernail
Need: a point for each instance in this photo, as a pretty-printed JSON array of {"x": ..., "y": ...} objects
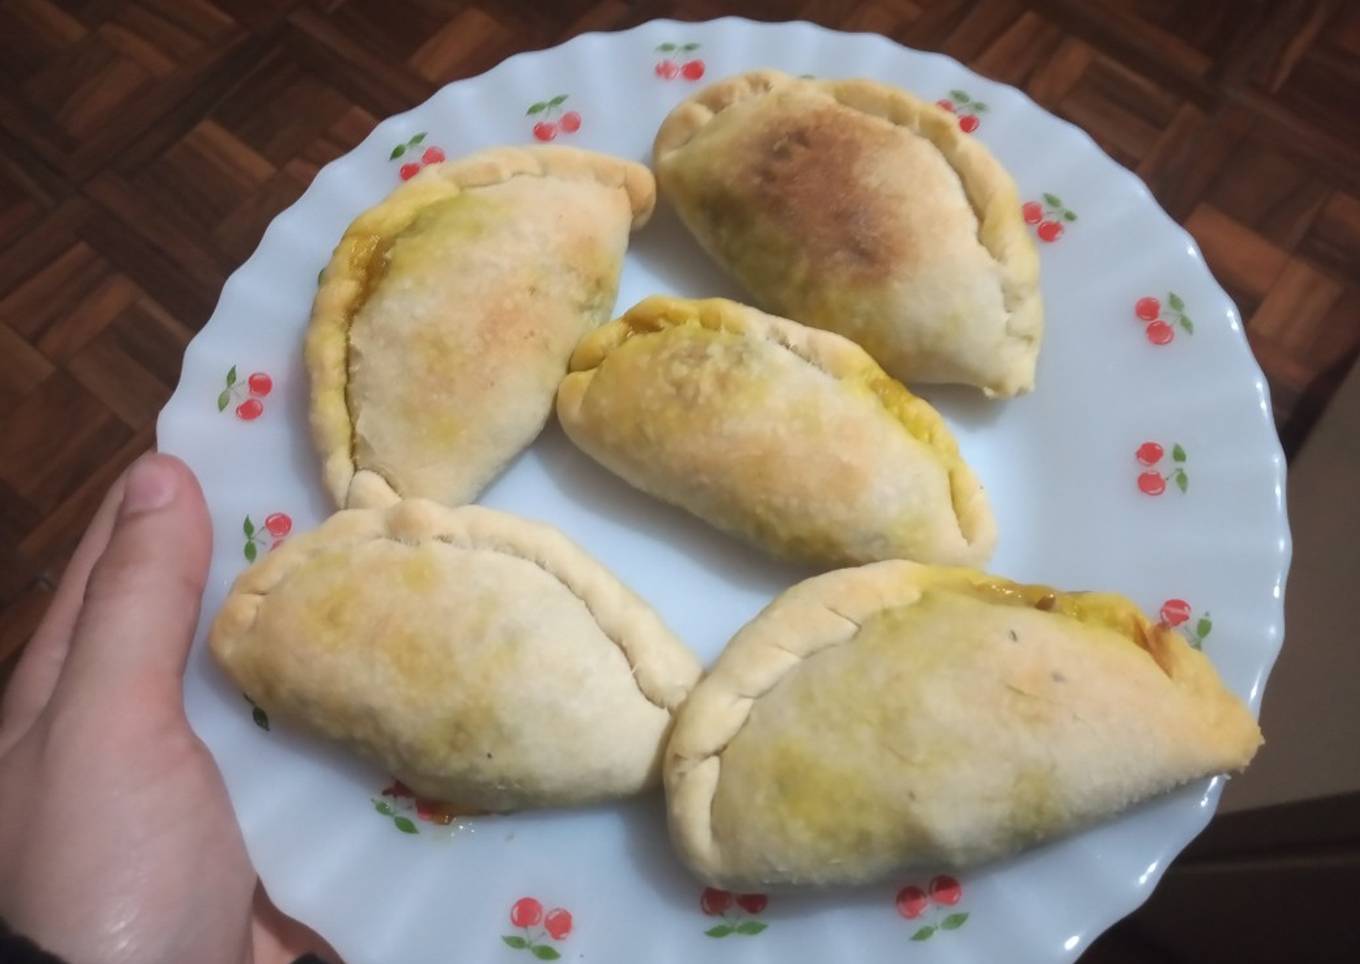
[{"x": 151, "y": 484}]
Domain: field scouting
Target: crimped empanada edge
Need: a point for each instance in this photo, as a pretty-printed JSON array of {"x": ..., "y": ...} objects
[
  {"x": 828, "y": 351},
  {"x": 754, "y": 661},
  {"x": 1001, "y": 230},
  {"x": 663, "y": 668},
  {"x": 326, "y": 349},
  {"x": 828, "y": 610}
]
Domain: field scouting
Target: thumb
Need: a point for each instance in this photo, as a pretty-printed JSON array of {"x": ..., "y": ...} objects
[{"x": 141, "y": 603}]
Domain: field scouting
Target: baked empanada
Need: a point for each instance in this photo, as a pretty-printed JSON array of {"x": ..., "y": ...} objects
[
  {"x": 896, "y": 714},
  {"x": 856, "y": 207},
  {"x": 446, "y": 316},
  {"x": 481, "y": 659},
  {"x": 790, "y": 437}
]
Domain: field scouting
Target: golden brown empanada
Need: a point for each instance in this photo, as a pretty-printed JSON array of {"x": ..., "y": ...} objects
[
  {"x": 896, "y": 714},
  {"x": 853, "y": 206},
  {"x": 790, "y": 437},
  {"x": 481, "y": 659},
  {"x": 445, "y": 318}
]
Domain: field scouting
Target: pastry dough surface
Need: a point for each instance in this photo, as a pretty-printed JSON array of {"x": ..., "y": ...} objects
[
  {"x": 874, "y": 719},
  {"x": 853, "y": 206},
  {"x": 787, "y": 436},
  {"x": 481, "y": 659},
  {"x": 446, "y": 316}
]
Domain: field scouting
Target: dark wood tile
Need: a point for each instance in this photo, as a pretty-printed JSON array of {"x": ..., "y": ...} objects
[
  {"x": 20, "y": 209},
  {"x": 106, "y": 370},
  {"x": 53, "y": 293},
  {"x": 1275, "y": 194},
  {"x": 1246, "y": 263},
  {"x": 53, "y": 439},
  {"x": 1021, "y": 51},
  {"x": 1333, "y": 238},
  {"x": 280, "y": 109},
  {"x": 25, "y": 367}
]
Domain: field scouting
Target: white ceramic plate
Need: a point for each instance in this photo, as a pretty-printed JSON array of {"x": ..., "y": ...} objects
[{"x": 1201, "y": 529}]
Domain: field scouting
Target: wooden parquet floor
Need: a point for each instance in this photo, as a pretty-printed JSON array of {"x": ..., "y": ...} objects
[{"x": 145, "y": 144}]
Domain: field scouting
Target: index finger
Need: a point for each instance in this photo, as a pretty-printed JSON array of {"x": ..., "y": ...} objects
[{"x": 35, "y": 675}]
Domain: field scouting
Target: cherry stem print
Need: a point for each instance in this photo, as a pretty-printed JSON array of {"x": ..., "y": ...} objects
[
  {"x": 401, "y": 149},
  {"x": 398, "y": 802},
  {"x": 958, "y": 102},
  {"x": 738, "y": 912},
  {"x": 252, "y": 393},
  {"x": 402, "y": 822},
  {"x": 549, "y": 123},
  {"x": 676, "y": 62},
  {"x": 942, "y": 892},
  {"x": 1177, "y": 612},
  {"x": 430, "y": 155},
  {"x": 276, "y": 527},
  {"x": 1203, "y": 627},
  {"x": 1153, "y": 482},
  {"x": 1049, "y": 216},
  {"x": 527, "y": 914},
  {"x": 1161, "y": 327},
  {"x": 260, "y": 717}
]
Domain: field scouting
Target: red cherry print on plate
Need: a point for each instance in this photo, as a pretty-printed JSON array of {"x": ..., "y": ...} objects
[
  {"x": 667, "y": 69},
  {"x": 1150, "y": 483},
  {"x": 432, "y": 155},
  {"x": 1032, "y": 211},
  {"x": 1050, "y": 231},
  {"x": 557, "y": 923},
  {"x": 968, "y": 123},
  {"x": 693, "y": 70},
  {"x": 1149, "y": 453},
  {"x": 945, "y": 890},
  {"x": 526, "y": 913},
  {"x": 260, "y": 384},
  {"x": 545, "y": 130},
  {"x": 249, "y": 410},
  {"x": 1147, "y": 308},
  {"x": 570, "y": 122},
  {"x": 946, "y": 103},
  {"x": 1159, "y": 332},
  {"x": 912, "y": 902},
  {"x": 278, "y": 524},
  {"x": 1175, "y": 612},
  {"x": 409, "y": 171},
  {"x": 752, "y": 903},
  {"x": 714, "y": 901}
]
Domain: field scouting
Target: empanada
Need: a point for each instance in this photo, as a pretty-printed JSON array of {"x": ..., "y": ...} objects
[
  {"x": 479, "y": 658},
  {"x": 790, "y": 437},
  {"x": 856, "y": 207},
  {"x": 446, "y": 316},
  {"x": 876, "y": 718}
]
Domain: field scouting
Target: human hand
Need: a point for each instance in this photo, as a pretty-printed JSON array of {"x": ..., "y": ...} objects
[{"x": 116, "y": 834}]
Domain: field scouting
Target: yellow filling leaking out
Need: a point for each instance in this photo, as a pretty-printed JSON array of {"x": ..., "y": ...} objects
[
  {"x": 368, "y": 264},
  {"x": 461, "y": 215},
  {"x": 661, "y": 313},
  {"x": 922, "y": 422},
  {"x": 1104, "y": 609},
  {"x": 414, "y": 240}
]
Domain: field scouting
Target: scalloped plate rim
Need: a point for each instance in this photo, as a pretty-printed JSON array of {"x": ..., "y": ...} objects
[{"x": 197, "y": 352}]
